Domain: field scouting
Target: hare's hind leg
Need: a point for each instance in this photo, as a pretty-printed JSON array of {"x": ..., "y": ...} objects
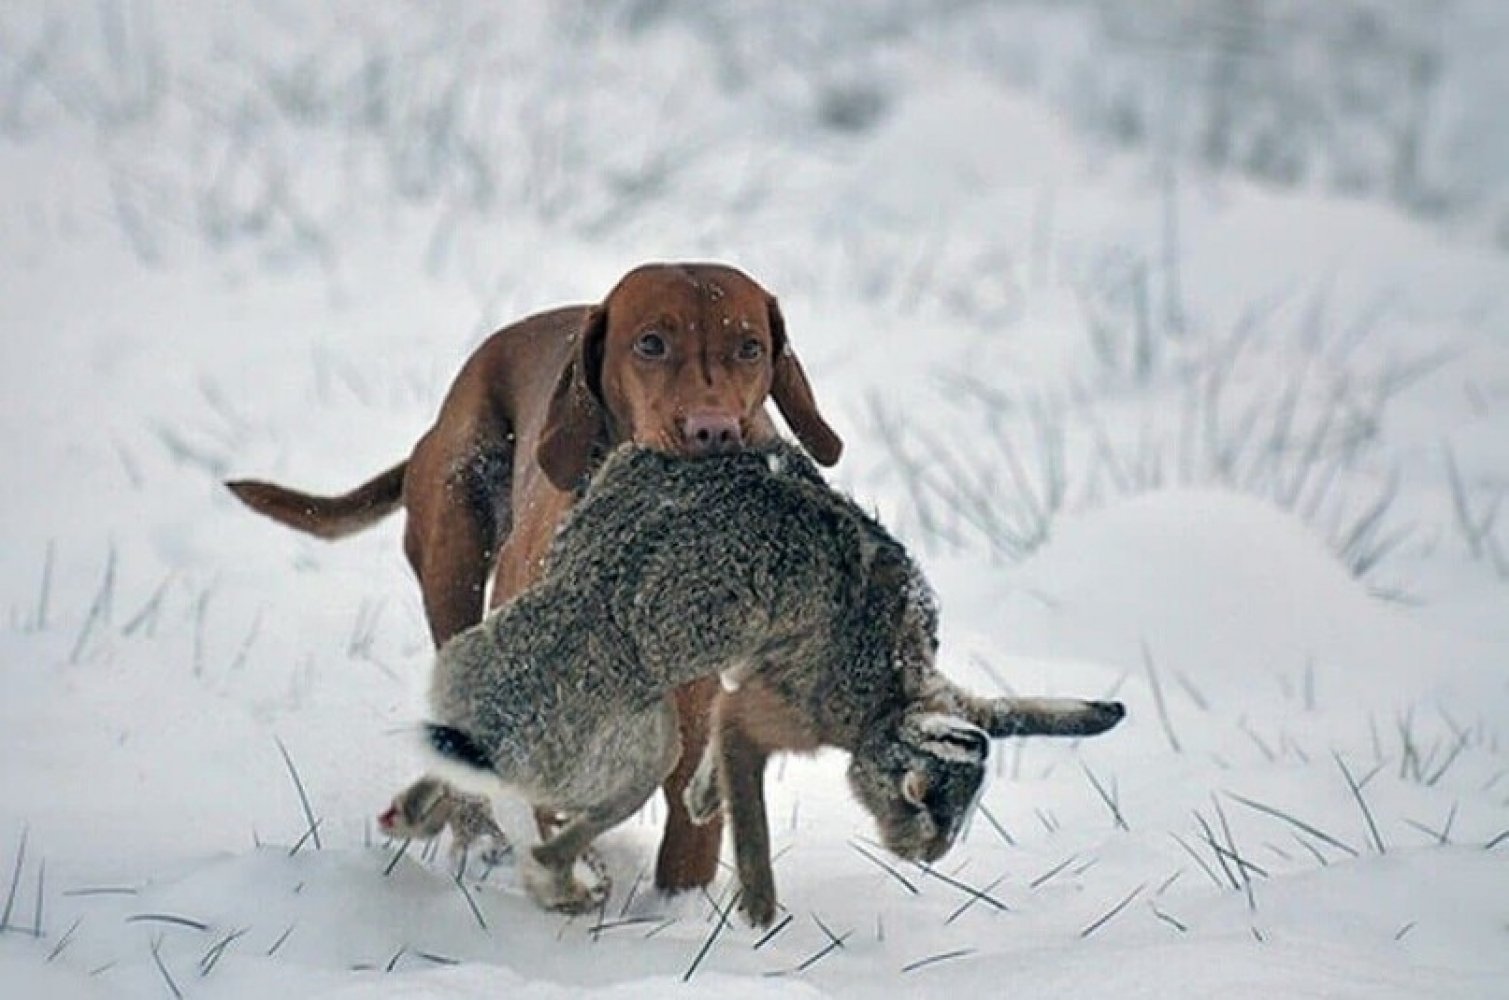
[{"x": 549, "y": 868}]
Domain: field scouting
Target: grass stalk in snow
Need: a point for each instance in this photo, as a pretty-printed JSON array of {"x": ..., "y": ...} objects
[
  {"x": 99, "y": 609},
  {"x": 964, "y": 907},
  {"x": 963, "y": 886},
  {"x": 1053, "y": 872},
  {"x": 1110, "y": 914},
  {"x": 65, "y": 940},
  {"x": 44, "y": 590},
  {"x": 995, "y": 825},
  {"x": 15, "y": 881},
  {"x": 1158, "y": 702},
  {"x": 946, "y": 956},
  {"x": 282, "y": 939},
  {"x": 168, "y": 918},
  {"x": 1105, "y": 797},
  {"x": 1210, "y": 872},
  {"x": 1294, "y": 821},
  {"x": 886, "y": 867},
  {"x": 769, "y": 935},
  {"x": 470, "y": 902},
  {"x": 1362, "y": 804},
  {"x": 166, "y": 975},
  {"x": 298, "y": 784},
  {"x": 835, "y": 942},
  {"x": 707, "y": 944},
  {"x": 212, "y": 956}
]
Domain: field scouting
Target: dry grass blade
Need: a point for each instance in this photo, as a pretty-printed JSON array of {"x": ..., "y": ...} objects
[
  {"x": 1158, "y": 702},
  {"x": 1053, "y": 872},
  {"x": 887, "y": 868},
  {"x": 282, "y": 939},
  {"x": 1362, "y": 804},
  {"x": 212, "y": 956},
  {"x": 298, "y": 784},
  {"x": 995, "y": 825},
  {"x": 946, "y": 956},
  {"x": 964, "y": 906},
  {"x": 15, "y": 880},
  {"x": 1110, "y": 914},
  {"x": 1105, "y": 797},
  {"x": 168, "y": 918},
  {"x": 166, "y": 975},
  {"x": 63, "y": 941},
  {"x": 707, "y": 945},
  {"x": 397, "y": 856},
  {"x": 1300, "y": 824},
  {"x": 1496, "y": 841},
  {"x": 470, "y": 902},
  {"x": 964, "y": 887},
  {"x": 1209, "y": 872},
  {"x": 769, "y": 935}
]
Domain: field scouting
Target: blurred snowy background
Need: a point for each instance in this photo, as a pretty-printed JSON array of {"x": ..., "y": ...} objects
[{"x": 1173, "y": 336}]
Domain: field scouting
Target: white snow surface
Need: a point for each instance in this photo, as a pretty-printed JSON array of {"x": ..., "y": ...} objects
[{"x": 259, "y": 239}]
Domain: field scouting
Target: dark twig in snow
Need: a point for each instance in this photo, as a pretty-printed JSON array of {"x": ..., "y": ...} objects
[
  {"x": 707, "y": 945},
  {"x": 935, "y": 959},
  {"x": 1158, "y": 702},
  {"x": 1198, "y": 860},
  {"x": 1362, "y": 804},
  {"x": 470, "y": 902},
  {"x": 67, "y": 937},
  {"x": 168, "y": 918},
  {"x": 167, "y": 977},
  {"x": 888, "y": 868},
  {"x": 15, "y": 880},
  {"x": 1293, "y": 821},
  {"x": 964, "y": 906},
  {"x": 280, "y": 941},
  {"x": 1105, "y": 797},
  {"x": 995, "y": 825},
  {"x": 1111, "y": 913},
  {"x": 963, "y": 887},
  {"x": 769, "y": 935},
  {"x": 1048, "y": 875},
  {"x": 298, "y": 785},
  {"x": 212, "y": 956}
]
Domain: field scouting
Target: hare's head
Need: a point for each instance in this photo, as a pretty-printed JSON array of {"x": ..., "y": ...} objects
[{"x": 920, "y": 777}]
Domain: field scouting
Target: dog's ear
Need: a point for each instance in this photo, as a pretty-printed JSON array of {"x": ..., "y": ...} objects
[
  {"x": 793, "y": 394},
  {"x": 576, "y": 417}
]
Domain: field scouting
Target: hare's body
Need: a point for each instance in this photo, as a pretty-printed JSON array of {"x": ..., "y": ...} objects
[{"x": 671, "y": 569}]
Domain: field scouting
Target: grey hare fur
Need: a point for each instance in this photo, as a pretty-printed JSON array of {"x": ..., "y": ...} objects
[{"x": 744, "y": 564}]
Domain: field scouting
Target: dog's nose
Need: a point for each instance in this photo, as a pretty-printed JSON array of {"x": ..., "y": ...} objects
[{"x": 708, "y": 432}]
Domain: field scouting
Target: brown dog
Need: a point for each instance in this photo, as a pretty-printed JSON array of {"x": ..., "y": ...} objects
[{"x": 679, "y": 357}]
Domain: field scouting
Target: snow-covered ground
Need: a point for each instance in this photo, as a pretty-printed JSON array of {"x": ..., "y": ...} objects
[{"x": 1231, "y": 451}]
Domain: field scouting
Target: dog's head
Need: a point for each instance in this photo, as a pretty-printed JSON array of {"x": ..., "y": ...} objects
[{"x": 680, "y": 358}]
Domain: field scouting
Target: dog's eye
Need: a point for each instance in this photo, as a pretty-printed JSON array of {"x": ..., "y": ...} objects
[
  {"x": 751, "y": 350},
  {"x": 650, "y": 346}
]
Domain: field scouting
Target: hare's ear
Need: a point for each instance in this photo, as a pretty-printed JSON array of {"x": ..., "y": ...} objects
[
  {"x": 793, "y": 394},
  {"x": 576, "y": 418},
  {"x": 1046, "y": 716}
]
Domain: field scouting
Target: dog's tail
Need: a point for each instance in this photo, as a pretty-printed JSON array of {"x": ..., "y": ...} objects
[
  {"x": 456, "y": 747},
  {"x": 325, "y": 517}
]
